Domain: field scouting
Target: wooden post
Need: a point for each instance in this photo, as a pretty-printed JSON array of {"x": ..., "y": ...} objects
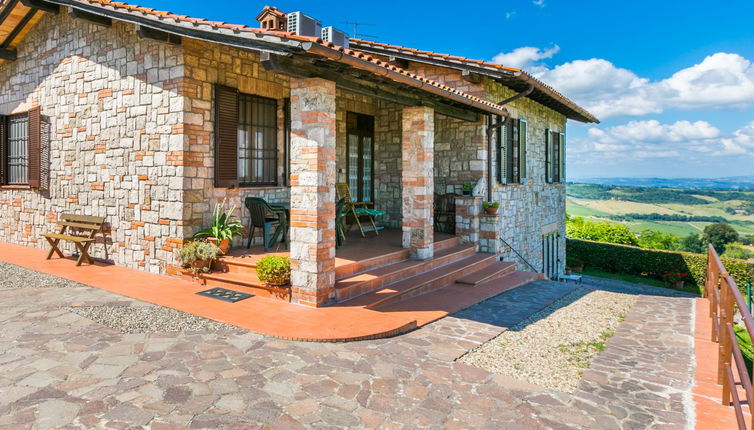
[
  {"x": 727, "y": 349},
  {"x": 723, "y": 318}
]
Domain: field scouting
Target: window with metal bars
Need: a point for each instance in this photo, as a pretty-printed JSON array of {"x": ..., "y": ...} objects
[
  {"x": 17, "y": 149},
  {"x": 257, "y": 140}
]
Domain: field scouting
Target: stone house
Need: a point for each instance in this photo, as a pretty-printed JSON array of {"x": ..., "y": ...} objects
[{"x": 150, "y": 118}]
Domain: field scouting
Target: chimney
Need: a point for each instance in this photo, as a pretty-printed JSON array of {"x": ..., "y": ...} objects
[{"x": 272, "y": 18}]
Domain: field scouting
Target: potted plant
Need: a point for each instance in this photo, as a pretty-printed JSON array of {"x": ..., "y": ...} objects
[
  {"x": 676, "y": 279},
  {"x": 467, "y": 188},
  {"x": 198, "y": 255},
  {"x": 223, "y": 229},
  {"x": 574, "y": 264},
  {"x": 491, "y": 207},
  {"x": 274, "y": 270}
]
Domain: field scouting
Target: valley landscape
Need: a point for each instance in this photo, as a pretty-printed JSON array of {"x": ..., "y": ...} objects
[{"x": 678, "y": 211}]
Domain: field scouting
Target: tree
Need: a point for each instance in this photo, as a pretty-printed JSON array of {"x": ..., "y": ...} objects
[
  {"x": 692, "y": 243},
  {"x": 655, "y": 239},
  {"x": 719, "y": 235}
]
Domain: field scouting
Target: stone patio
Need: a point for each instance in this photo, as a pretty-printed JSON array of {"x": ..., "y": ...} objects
[{"x": 58, "y": 369}]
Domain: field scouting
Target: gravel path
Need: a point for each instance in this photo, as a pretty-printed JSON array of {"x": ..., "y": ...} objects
[
  {"x": 12, "y": 276},
  {"x": 552, "y": 347},
  {"x": 147, "y": 319}
]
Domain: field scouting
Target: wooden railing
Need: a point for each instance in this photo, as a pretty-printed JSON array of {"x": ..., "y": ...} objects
[{"x": 724, "y": 300}]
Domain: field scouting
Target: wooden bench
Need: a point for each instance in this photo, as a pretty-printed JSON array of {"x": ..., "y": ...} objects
[{"x": 84, "y": 229}]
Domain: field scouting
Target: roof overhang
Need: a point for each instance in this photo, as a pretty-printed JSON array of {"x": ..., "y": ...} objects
[
  {"x": 517, "y": 80},
  {"x": 244, "y": 37}
]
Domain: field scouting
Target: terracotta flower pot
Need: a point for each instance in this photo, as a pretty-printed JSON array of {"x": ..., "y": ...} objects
[
  {"x": 224, "y": 244},
  {"x": 490, "y": 211},
  {"x": 200, "y": 265}
]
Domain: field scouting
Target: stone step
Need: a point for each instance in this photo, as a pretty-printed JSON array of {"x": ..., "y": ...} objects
[
  {"x": 431, "y": 306},
  {"x": 364, "y": 282},
  {"x": 423, "y": 282},
  {"x": 492, "y": 271},
  {"x": 245, "y": 283}
]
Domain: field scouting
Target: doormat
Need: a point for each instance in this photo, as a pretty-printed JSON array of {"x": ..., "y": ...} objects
[{"x": 225, "y": 295}]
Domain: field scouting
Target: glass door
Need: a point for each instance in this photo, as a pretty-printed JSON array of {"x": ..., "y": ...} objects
[{"x": 360, "y": 150}]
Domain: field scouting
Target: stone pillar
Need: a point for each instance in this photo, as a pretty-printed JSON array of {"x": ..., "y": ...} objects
[
  {"x": 312, "y": 178},
  {"x": 489, "y": 233},
  {"x": 418, "y": 140},
  {"x": 468, "y": 209}
]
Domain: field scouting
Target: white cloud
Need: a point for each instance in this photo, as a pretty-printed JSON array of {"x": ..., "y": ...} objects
[
  {"x": 721, "y": 80},
  {"x": 526, "y": 57},
  {"x": 540, "y": 3},
  {"x": 511, "y": 14},
  {"x": 651, "y": 139}
]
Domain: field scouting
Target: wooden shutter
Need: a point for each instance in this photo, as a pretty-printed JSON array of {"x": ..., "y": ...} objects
[
  {"x": 226, "y": 137},
  {"x": 562, "y": 151},
  {"x": 522, "y": 134},
  {"x": 548, "y": 156},
  {"x": 502, "y": 171},
  {"x": 34, "y": 147},
  {"x": 3, "y": 146},
  {"x": 287, "y": 142},
  {"x": 514, "y": 151}
]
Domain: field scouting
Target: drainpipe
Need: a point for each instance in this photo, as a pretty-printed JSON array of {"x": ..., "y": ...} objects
[{"x": 491, "y": 134}]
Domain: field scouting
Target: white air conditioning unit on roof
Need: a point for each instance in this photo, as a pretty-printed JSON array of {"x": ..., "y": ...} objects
[
  {"x": 333, "y": 35},
  {"x": 304, "y": 25}
]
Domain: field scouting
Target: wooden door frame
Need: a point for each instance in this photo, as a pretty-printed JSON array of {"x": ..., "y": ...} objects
[{"x": 361, "y": 133}]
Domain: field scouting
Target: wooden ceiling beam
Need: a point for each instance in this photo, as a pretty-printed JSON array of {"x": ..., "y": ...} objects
[
  {"x": 42, "y": 5},
  {"x": 100, "y": 20},
  {"x": 8, "y": 54},
  {"x": 162, "y": 36},
  {"x": 372, "y": 88}
]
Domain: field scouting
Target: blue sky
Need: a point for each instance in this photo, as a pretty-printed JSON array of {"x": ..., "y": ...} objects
[{"x": 672, "y": 80}]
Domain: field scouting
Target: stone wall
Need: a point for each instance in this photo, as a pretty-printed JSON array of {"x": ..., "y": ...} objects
[{"x": 114, "y": 103}]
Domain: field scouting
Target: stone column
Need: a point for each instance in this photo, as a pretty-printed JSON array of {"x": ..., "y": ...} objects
[
  {"x": 418, "y": 140},
  {"x": 489, "y": 233},
  {"x": 312, "y": 178},
  {"x": 468, "y": 209}
]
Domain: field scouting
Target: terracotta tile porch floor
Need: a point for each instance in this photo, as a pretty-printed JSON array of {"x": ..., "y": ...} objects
[{"x": 264, "y": 315}]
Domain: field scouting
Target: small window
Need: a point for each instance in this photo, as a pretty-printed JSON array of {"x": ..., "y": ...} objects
[
  {"x": 257, "y": 140},
  {"x": 18, "y": 147},
  {"x": 554, "y": 156},
  {"x": 511, "y": 151}
]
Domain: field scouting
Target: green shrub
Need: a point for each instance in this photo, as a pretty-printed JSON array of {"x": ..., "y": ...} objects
[
  {"x": 579, "y": 228},
  {"x": 197, "y": 251},
  {"x": 274, "y": 270},
  {"x": 652, "y": 263}
]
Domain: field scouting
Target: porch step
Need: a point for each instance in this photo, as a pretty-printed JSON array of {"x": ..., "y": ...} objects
[
  {"x": 345, "y": 270},
  {"x": 492, "y": 271},
  {"x": 422, "y": 283},
  {"x": 369, "y": 280},
  {"x": 237, "y": 265},
  {"x": 246, "y": 283}
]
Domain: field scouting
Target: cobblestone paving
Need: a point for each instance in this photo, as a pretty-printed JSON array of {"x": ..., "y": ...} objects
[{"x": 58, "y": 369}]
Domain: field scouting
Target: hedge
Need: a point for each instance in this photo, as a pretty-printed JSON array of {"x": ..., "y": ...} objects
[{"x": 652, "y": 263}]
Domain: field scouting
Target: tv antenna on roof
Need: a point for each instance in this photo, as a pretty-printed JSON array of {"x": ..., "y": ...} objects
[{"x": 356, "y": 33}]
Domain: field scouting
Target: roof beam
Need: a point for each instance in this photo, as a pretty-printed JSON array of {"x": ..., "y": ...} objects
[
  {"x": 151, "y": 33},
  {"x": 42, "y": 5},
  {"x": 288, "y": 66},
  {"x": 8, "y": 54},
  {"x": 398, "y": 62},
  {"x": 100, "y": 20},
  {"x": 471, "y": 77}
]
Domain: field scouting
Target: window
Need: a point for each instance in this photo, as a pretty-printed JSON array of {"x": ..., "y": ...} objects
[
  {"x": 24, "y": 150},
  {"x": 360, "y": 160},
  {"x": 18, "y": 149},
  {"x": 511, "y": 151},
  {"x": 257, "y": 140},
  {"x": 246, "y": 132},
  {"x": 554, "y": 156}
]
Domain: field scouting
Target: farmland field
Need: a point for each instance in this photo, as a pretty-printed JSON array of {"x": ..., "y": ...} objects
[{"x": 633, "y": 206}]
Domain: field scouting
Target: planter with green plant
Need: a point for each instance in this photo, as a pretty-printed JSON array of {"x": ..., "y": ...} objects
[
  {"x": 198, "y": 255},
  {"x": 274, "y": 270},
  {"x": 675, "y": 279},
  {"x": 467, "y": 188},
  {"x": 223, "y": 229},
  {"x": 491, "y": 207}
]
